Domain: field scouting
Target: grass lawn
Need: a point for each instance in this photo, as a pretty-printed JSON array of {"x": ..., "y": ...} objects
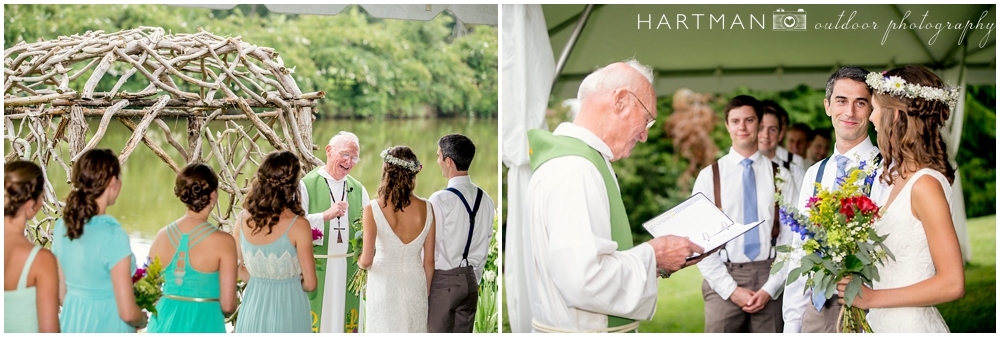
[{"x": 680, "y": 307}]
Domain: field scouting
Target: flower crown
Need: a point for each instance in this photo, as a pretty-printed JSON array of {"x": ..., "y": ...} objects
[
  {"x": 409, "y": 165},
  {"x": 896, "y": 86}
]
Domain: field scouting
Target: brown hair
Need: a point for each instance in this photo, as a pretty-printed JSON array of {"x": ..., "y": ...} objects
[
  {"x": 194, "y": 186},
  {"x": 744, "y": 100},
  {"x": 915, "y": 136},
  {"x": 91, "y": 176},
  {"x": 398, "y": 181},
  {"x": 274, "y": 188},
  {"x": 22, "y": 181}
]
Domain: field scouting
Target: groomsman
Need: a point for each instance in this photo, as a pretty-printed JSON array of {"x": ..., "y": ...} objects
[
  {"x": 740, "y": 293},
  {"x": 464, "y": 217},
  {"x": 848, "y": 103},
  {"x": 799, "y": 137},
  {"x": 773, "y": 123},
  {"x": 333, "y": 200}
]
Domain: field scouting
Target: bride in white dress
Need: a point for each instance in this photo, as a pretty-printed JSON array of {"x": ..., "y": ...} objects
[
  {"x": 397, "y": 226},
  {"x": 928, "y": 268}
]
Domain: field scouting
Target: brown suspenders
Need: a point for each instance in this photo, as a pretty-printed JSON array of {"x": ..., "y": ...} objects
[{"x": 775, "y": 229}]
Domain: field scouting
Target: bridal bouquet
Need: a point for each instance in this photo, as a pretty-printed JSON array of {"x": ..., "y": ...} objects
[
  {"x": 839, "y": 237},
  {"x": 360, "y": 278},
  {"x": 146, "y": 285}
]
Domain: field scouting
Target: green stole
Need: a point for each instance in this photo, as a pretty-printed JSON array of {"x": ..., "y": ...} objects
[
  {"x": 319, "y": 200},
  {"x": 543, "y": 146}
]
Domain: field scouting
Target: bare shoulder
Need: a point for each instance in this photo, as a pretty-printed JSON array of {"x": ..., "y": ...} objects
[
  {"x": 221, "y": 237},
  {"x": 926, "y": 188},
  {"x": 45, "y": 258}
]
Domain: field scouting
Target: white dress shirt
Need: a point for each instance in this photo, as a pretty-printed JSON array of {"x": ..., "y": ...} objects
[
  {"x": 713, "y": 268},
  {"x": 798, "y": 297},
  {"x": 797, "y": 170},
  {"x": 335, "y": 286},
  {"x": 577, "y": 276},
  {"x": 452, "y": 226}
]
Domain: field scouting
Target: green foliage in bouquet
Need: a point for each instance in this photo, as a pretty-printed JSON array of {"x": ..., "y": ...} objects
[
  {"x": 146, "y": 285},
  {"x": 360, "y": 277},
  {"x": 487, "y": 316}
]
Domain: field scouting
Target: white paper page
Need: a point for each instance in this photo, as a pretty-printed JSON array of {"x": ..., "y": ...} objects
[{"x": 699, "y": 220}]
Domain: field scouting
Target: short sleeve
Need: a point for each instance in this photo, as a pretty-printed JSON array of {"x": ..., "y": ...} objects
[{"x": 117, "y": 244}]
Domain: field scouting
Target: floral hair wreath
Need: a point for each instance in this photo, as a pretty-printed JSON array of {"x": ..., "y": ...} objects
[
  {"x": 409, "y": 165},
  {"x": 896, "y": 86}
]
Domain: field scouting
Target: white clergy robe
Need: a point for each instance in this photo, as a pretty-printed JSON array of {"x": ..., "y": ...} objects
[
  {"x": 336, "y": 272},
  {"x": 713, "y": 267},
  {"x": 452, "y": 226},
  {"x": 795, "y": 301},
  {"x": 577, "y": 277}
]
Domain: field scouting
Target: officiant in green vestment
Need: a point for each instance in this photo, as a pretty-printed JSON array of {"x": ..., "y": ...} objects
[{"x": 332, "y": 200}]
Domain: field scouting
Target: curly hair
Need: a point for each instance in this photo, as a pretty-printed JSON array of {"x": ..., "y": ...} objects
[
  {"x": 397, "y": 181},
  {"x": 23, "y": 181},
  {"x": 915, "y": 136},
  {"x": 274, "y": 189},
  {"x": 194, "y": 186},
  {"x": 90, "y": 178}
]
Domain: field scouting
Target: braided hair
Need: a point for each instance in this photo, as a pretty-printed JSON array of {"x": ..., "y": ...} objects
[
  {"x": 90, "y": 178},
  {"x": 275, "y": 188}
]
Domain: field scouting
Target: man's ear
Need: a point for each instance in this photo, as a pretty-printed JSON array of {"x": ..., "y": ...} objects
[{"x": 620, "y": 98}]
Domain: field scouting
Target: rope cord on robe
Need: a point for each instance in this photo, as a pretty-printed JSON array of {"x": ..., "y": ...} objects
[{"x": 618, "y": 329}]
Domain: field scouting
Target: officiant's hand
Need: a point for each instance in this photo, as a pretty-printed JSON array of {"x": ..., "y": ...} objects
[
  {"x": 672, "y": 252},
  {"x": 757, "y": 302},
  {"x": 337, "y": 209}
]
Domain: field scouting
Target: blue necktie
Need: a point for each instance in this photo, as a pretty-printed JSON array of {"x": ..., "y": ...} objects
[
  {"x": 818, "y": 295},
  {"x": 751, "y": 240}
]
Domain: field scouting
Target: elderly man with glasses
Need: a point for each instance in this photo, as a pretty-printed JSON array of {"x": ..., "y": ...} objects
[
  {"x": 332, "y": 200},
  {"x": 583, "y": 272}
]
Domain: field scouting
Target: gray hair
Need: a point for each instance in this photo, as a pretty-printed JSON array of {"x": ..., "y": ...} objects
[
  {"x": 857, "y": 74},
  {"x": 344, "y": 136},
  {"x": 608, "y": 79}
]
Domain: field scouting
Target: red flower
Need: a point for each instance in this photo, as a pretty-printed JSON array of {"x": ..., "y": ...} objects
[
  {"x": 139, "y": 274},
  {"x": 812, "y": 201},
  {"x": 865, "y": 205},
  {"x": 317, "y": 234},
  {"x": 847, "y": 207}
]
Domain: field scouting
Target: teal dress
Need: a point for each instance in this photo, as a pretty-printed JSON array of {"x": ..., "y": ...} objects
[
  {"x": 86, "y": 262},
  {"x": 273, "y": 300},
  {"x": 22, "y": 305},
  {"x": 190, "y": 301}
]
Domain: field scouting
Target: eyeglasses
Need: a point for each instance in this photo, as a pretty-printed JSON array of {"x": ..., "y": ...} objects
[
  {"x": 652, "y": 119},
  {"x": 346, "y": 155}
]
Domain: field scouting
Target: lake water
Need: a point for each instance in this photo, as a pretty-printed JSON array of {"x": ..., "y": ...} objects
[{"x": 147, "y": 202}]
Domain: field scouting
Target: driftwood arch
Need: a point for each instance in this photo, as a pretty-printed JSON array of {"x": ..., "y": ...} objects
[{"x": 199, "y": 77}]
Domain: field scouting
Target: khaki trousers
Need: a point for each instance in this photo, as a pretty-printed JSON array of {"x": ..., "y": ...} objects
[
  {"x": 822, "y": 321},
  {"x": 723, "y": 316},
  {"x": 452, "y": 300}
]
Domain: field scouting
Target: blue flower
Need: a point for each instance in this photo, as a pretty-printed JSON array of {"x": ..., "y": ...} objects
[{"x": 861, "y": 166}]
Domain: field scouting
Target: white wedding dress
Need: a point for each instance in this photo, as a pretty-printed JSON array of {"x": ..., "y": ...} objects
[
  {"x": 397, "y": 284},
  {"x": 908, "y": 242}
]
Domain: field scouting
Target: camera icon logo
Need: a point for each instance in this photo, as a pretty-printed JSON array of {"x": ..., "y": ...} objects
[{"x": 788, "y": 21}]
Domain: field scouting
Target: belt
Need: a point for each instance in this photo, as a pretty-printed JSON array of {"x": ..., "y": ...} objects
[
  {"x": 333, "y": 256},
  {"x": 618, "y": 329},
  {"x": 191, "y": 299}
]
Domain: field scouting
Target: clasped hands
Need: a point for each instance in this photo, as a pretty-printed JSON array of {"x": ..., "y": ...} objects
[{"x": 750, "y": 301}]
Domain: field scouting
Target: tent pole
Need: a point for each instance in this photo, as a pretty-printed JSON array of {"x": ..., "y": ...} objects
[{"x": 572, "y": 41}]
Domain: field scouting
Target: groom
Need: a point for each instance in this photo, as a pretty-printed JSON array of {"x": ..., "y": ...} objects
[
  {"x": 848, "y": 103},
  {"x": 332, "y": 200},
  {"x": 464, "y": 227}
]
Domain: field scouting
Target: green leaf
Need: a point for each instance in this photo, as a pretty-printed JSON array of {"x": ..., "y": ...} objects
[
  {"x": 852, "y": 290},
  {"x": 832, "y": 287},
  {"x": 862, "y": 256},
  {"x": 783, "y": 249},
  {"x": 875, "y": 276},
  {"x": 793, "y": 275},
  {"x": 829, "y": 265},
  {"x": 887, "y": 251},
  {"x": 853, "y": 264},
  {"x": 776, "y": 267},
  {"x": 814, "y": 258},
  {"x": 866, "y": 272}
]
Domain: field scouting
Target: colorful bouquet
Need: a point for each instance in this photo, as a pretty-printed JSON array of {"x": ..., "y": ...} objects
[
  {"x": 839, "y": 240},
  {"x": 147, "y": 285},
  {"x": 360, "y": 278}
]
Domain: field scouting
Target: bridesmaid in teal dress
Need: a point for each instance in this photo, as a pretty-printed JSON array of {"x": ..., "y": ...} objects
[
  {"x": 31, "y": 280},
  {"x": 93, "y": 251},
  {"x": 275, "y": 245},
  {"x": 199, "y": 288}
]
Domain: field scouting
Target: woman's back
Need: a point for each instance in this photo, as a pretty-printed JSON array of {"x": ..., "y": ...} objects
[
  {"x": 18, "y": 294},
  {"x": 191, "y": 290},
  {"x": 397, "y": 281},
  {"x": 270, "y": 255}
]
